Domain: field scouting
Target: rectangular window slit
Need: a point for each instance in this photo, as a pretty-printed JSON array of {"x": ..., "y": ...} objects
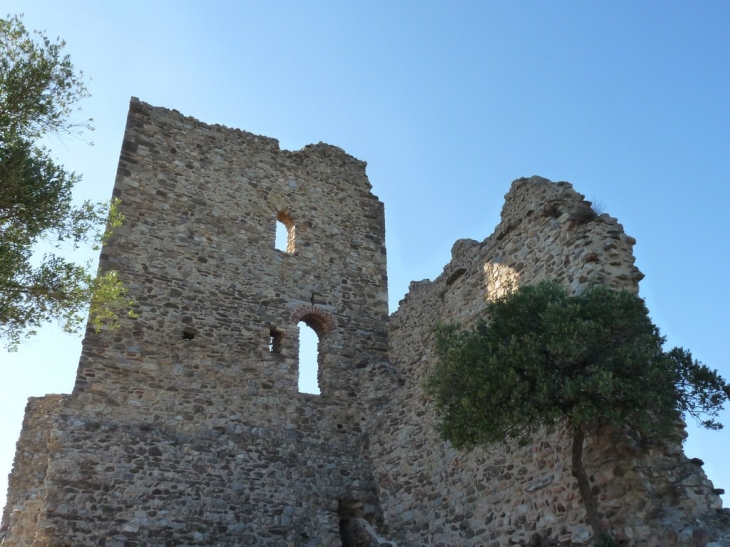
[{"x": 274, "y": 341}]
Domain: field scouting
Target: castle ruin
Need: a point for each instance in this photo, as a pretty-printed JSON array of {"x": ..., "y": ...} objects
[{"x": 186, "y": 427}]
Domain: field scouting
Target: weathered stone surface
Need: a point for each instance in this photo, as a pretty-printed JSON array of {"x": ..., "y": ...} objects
[{"x": 185, "y": 427}]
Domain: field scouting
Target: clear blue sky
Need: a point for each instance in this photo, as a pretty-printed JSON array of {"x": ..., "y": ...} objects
[{"x": 448, "y": 102}]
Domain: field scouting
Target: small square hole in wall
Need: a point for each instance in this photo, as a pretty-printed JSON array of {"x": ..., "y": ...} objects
[
  {"x": 188, "y": 333},
  {"x": 274, "y": 341}
]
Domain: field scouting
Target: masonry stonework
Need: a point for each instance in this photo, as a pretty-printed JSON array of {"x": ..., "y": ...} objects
[{"x": 185, "y": 426}]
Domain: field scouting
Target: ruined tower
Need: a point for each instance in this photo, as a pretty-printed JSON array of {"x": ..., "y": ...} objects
[{"x": 186, "y": 427}]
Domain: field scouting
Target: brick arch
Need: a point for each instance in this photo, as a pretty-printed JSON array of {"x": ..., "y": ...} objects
[{"x": 319, "y": 320}]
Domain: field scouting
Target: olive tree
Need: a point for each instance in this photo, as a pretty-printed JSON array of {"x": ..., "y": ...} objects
[
  {"x": 39, "y": 95},
  {"x": 544, "y": 359}
]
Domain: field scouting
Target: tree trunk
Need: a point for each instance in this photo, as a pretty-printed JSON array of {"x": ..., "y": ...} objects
[{"x": 584, "y": 486}]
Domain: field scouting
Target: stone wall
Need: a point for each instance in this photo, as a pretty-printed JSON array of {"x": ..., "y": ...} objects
[
  {"x": 26, "y": 484},
  {"x": 433, "y": 495},
  {"x": 185, "y": 426}
]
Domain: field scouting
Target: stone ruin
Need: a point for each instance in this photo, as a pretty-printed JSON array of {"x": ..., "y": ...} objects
[{"x": 186, "y": 427}]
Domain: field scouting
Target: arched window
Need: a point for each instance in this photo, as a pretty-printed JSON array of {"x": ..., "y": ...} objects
[
  {"x": 315, "y": 325},
  {"x": 285, "y": 240},
  {"x": 308, "y": 359}
]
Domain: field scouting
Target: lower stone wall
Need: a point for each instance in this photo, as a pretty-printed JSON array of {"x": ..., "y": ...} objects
[
  {"x": 26, "y": 486},
  {"x": 434, "y": 495},
  {"x": 125, "y": 484}
]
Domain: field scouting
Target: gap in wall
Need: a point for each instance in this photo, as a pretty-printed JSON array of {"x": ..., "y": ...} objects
[
  {"x": 282, "y": 236},
  {"x": 308, "y": 359}
]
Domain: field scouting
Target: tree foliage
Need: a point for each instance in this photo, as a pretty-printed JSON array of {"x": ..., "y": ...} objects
[
  {"x": 545, "y": 359},
  {"x": 39, "y": 92}
]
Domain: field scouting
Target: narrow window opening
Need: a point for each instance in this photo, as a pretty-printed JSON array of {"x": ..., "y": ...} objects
[
  {"x": 281, "y": 236},
  {"x": 308, "y": 359},
  {"x": 188, "y": 333},
  {"x": 284, "y": 240},
  {"x": 274, "y": 341}
]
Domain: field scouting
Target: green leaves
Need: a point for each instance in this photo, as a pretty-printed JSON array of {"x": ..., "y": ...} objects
[
  {"x": 39, "y": 92},
  {"x": 39, "y": 87},
  {"x": 700, "y": 390},
  {"x": 544, "y": 358}
]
